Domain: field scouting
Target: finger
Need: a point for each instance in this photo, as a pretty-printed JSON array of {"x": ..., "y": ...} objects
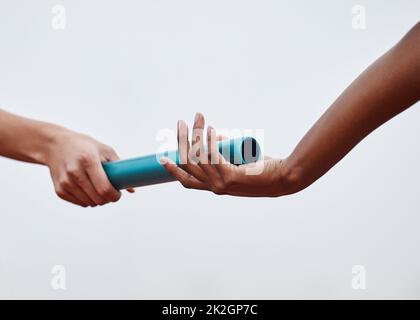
[
  {"x": 78, "y": 193},
  {"x": 101, "y": 183},
  {"x": 110, "y": 154},
  {"x": 63, "y": 190},
  {"x": 183, "y": 143},
  {"x": 186, "y": 179},
  {"x": 209, "y": 167},
  {"x": 221, "y": 137},
  {"x": 197, "y": 151},
  {"x": 86, "y": 185},
  {"x": 214, "y": 155},
  {"x": 197, "y": 146},
  {"x": 184, "y": 153},
  {"x": 70, "y": 198},
  {"x": 224, "y": 167},
  {"x": 222, "y": 172},
  {"x": 69, "y": 186}
]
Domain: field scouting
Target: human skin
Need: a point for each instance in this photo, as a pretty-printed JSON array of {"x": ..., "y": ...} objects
[
  {"x": 74, "y": 159},
  {"x": 385, "y": 89}
]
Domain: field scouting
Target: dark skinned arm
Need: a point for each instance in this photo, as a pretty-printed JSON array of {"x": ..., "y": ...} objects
[{"x": 385, "y": 89}]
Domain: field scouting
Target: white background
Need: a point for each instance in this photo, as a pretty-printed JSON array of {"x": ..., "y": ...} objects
[{"x": 123, "y": 70}]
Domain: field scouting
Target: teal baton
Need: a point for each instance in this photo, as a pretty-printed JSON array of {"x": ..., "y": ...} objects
[{"x": 147, "y": 170}]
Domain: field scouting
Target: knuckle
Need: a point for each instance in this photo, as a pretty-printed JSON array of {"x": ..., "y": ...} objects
[
  {"x": 116, "y": 197},
  {"x": 103, "y": 192},
  {"x": 73, "y": 172},
  {"x": 109, "y": 193},
  {"x": 112, "y": 150},
  {"x": 85, "y": 159},
  {"x": 218, "y": 188},
  {"x": 171, "y": 168},
  {"x": 228, "y": 180},
  {"x": 79, "y": 180},
  {"x": 60, "y": 193},
  {"x": 186, "y": 184},
  {"x": 102, "y": 202},
  {"x": 97, "y": 198},
  {"x": 64, "y": 184}
]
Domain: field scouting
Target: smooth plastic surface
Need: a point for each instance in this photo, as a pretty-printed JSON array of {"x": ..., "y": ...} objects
[{"x": 147, "y": 170}]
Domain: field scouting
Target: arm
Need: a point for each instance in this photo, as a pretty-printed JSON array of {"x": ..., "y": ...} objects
[
  {"x": 74, "y": 159},
  {"x": 385, "y": 89}
]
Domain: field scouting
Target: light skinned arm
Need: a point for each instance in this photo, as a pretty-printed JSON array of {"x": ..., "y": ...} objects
[
  {"x": 74, "y": 159},
  {"x": 388, "y": 87}
]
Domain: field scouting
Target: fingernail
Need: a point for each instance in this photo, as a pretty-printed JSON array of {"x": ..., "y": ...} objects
[
  {"x": 163, "y": 161},
  {"x": 197, "y": 116}
]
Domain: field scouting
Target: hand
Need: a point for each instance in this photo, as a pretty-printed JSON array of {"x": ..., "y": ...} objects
[
  {"x": 75, "y": 163},
  {"x": 208, "y": 170}
]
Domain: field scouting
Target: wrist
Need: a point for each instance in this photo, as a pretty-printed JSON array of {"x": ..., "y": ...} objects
[
  {"x": 51, "y": 137},
  {"x": 289, "y": 177}
]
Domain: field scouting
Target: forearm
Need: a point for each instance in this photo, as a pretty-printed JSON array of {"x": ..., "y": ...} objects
[
  {"x": 74, "y": 159},
  {"x": 388, "y": 87},
  {"x": 25, "y": 139}
]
